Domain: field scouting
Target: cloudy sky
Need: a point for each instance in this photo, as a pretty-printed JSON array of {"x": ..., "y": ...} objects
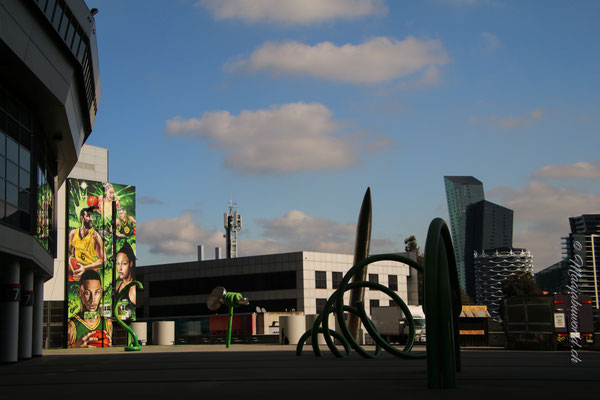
[{"x": 292, "y": 108}]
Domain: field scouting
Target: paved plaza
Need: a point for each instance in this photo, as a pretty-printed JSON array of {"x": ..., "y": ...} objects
[{"x": 274, "y": 371}]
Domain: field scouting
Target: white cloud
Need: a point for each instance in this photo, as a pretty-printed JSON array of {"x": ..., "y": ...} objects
[
  {"x": 298, "y": 231},
  {"x": 293, "y": 231},
  {"x": 542, "y": 214},
  {"x": 536, "y": 114},
  {"x": 510, "y": 122},
  {"x": 289, "y": 138},
  {"x": 149, "y": 200},
  {"x": 472, "y": 2},
  {"x": 180, "y": 236},
  {"x": 293, "y": 11},
  {"x": 490, "y": 41},
  {"x": 176, "y": 236},
  {"x": 376, "y": 60},
  {"x": 249, "y": 247},
  {"x": 580, "y": 169}
]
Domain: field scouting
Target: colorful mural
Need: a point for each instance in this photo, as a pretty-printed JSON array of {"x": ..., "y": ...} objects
[
  {"x": 100, "y": 219},
  {"x": 44, "y": 215}
]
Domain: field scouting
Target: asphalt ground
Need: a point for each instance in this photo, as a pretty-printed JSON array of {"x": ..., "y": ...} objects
[{"x": 274, "y": 371}]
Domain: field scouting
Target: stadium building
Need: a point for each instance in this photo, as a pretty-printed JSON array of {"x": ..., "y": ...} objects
[{"x": 49, "y": 93}]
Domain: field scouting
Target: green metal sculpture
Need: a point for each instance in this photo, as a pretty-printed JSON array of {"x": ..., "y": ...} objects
[
  {"x": 442, "y": 307},
  {"x": 221, "y": 296},
  {"x": 132, "y": 341}
]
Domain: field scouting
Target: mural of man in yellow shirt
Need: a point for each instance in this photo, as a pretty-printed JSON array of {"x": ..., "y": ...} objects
[{"x": 86, "y": 250}]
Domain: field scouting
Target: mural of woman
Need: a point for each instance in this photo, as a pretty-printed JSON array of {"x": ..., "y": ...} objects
[
  {"x": 106, "y": 201},
  {"x": 125, "y": 269}
]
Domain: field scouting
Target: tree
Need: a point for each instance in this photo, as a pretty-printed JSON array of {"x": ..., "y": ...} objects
[
  {"x": 410, "y": 245},
  {"x": 519, "y": 284}
]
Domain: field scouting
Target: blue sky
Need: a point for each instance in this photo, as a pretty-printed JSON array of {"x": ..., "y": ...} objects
[{"x": 293, "y": 108}]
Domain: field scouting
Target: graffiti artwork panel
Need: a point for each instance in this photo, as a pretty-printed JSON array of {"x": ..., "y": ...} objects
[
  {"x": 44, "y": 215},
  {"x": 93, "y": 269}
]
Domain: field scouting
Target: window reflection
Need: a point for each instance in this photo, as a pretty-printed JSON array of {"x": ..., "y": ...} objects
[
  {"x": 12, "y": 150},
  {"x": 58, "y": 12},
  {"x": 24, "y": 179},
  {"x": 12, "y": 194},
  {"x": 12, "y": 173},
  {"x": 49, "y": 10},
  {"x": 24, "y": 158}
]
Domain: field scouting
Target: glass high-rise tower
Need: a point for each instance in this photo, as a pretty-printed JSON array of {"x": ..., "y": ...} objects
[
  {"x": 461, "y": 192},
  {"x": 489, "y": 226}
]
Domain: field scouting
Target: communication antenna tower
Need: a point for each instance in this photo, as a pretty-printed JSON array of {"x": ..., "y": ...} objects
[{"x": 232, "y": 221}]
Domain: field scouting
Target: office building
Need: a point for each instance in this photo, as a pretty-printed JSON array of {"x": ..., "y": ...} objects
[
  {"x": 492, "y": 266},
  {"x": 489, "y": 226},
  {"x": 49, "y": 93},
  {"x": 582, "y": 250},
  {"x": 299, "y": 281},
  {"x": 461, "y": 192}
]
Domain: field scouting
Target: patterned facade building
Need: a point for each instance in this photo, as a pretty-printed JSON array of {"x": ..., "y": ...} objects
[
  {"x": 492, "y": 266},
  {"x": 489, "y": 226}
]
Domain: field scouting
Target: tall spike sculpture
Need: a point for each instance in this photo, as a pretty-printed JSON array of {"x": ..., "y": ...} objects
[{"x": 361, "y": 251}]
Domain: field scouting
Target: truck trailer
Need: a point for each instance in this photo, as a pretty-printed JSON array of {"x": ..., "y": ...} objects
[
  {"x": 392, "y": 325},
  {"x": 548, "y": 322}
]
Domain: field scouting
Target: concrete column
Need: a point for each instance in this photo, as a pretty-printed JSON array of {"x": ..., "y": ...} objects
[
  {"x": 9, "y": 310},
  {"x": 26, "y": 314},
  {"x": 38, "y": 317}
]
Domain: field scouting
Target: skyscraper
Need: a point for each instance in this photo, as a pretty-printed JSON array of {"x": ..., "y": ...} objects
[
  {"x": 461, "y": 192},
  {"x": 582, "y": 246},
  {"x": 489, "y": 226}
]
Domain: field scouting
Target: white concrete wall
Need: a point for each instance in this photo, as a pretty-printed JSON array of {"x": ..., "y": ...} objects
[{"x": 329, "y": 263}]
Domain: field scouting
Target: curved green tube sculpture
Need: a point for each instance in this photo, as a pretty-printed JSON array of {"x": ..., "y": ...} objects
[
  {"x": 133, "y": 343},
  {"x": 441, "y": 305},
  {"x": 232, "y": 300}
]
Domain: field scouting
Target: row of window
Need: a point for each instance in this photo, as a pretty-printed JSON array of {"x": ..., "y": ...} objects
[
  {"x": 239, "y": 283},
  {"x": 62, "y": 19},
  {"x": 320, "y": 303},
  {"x": 15, "y": 176},
  {"x": 180, "y": 310},
  {"x": 26, "y": 183},
  {"x": 336, "y": 278},
  {"x": 67, "y": 26}
]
